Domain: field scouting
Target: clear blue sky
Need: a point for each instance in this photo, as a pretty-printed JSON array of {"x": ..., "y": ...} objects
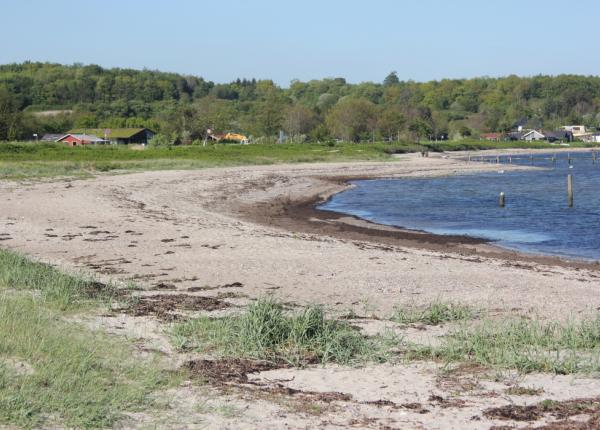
[{"x": 309, "y": 39}]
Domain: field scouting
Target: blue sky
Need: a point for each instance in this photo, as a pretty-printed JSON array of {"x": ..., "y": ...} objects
[{"x": 284, "y": 40}]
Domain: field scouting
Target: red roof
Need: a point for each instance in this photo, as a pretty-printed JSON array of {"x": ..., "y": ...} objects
[{"x": 491, "y": 135}]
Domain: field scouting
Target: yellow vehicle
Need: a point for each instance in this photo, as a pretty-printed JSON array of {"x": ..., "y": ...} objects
[{"x": 236, "y": 137}]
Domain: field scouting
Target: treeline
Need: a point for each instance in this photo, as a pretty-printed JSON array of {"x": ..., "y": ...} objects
[{"x": 184, "y": 107}]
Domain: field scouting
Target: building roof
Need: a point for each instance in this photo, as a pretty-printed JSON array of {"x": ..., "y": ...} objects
[
  {"x": 114, "y": 133},
  {"x": 51, "y": 137},
  {"x": 83, "y": 137},
  {"x": 516, "y": 134},
  {"x": 534, "y": 132},
  {"x": 560, "y": 134}
]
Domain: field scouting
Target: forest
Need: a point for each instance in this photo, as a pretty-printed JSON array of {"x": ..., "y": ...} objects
[{"x": 38, "y": 98}]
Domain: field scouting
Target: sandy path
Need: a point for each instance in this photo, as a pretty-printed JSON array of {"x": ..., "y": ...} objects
[{"x": 183, "y": 229}]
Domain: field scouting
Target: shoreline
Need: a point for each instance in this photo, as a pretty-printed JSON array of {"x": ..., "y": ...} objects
[
  {"x": 257, "y": 226},
  {"x": 302, "y": 214}
]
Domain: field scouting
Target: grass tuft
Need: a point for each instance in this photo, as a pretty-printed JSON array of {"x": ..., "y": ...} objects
[
  {"x": 434, "y": 314},
  {"x": 265, "y": 331},
  {"x": 526, "y": 345}
]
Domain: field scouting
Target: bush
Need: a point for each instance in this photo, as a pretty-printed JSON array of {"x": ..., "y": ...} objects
[{"x": 159, "y": 140}]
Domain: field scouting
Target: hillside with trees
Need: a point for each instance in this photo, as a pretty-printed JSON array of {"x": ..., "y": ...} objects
[{"x": 52, "y": 98}]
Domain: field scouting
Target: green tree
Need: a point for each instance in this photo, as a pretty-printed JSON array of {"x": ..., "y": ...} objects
[
  {"x": 11, "y": 117},
  {"x": 420, "y": 129},
  {"x": 299, "y": 120},
  {"x": 391, "y": 79},
  {"x": 350, "y": 118},
  {"x": 391, "y": 122}
]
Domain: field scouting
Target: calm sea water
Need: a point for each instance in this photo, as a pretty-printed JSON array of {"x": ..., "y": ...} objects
[{"x": 536, "y": 218}]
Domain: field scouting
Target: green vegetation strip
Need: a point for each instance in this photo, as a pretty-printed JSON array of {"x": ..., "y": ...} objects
[
  {"x": 31, "y": 160},
  {"x": 54, "y": 372}
]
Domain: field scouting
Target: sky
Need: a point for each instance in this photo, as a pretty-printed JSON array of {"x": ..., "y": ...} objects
[{"x": 222, "y": 40}]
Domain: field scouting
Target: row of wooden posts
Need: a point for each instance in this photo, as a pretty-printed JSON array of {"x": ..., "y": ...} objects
[
  {"x": 502, "y": 198},
  {"x": 531, "y": 158}
]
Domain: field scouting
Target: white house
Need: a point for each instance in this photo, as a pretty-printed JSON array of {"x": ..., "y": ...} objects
[
  {"x": 533, "y": 135},
  {"x": 591, "y": 138}
]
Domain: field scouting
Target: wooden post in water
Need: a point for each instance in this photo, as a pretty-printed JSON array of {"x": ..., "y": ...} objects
[
  {"x": 570, "y": 190},
  {"x": 497, "y": 159},
  {"x": 510, "y": 159},
  {"x": 531, "y": 158},
  {"x": 501, "y": 200},
  {"x": 594, "y": 155}
]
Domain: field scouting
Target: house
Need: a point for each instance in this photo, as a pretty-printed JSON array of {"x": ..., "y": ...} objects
[
  {"x": 515, "y": 135},
  {"x": 80, "y": 139},
  {"x": 590, "y": 137},
  {"x": 51, "y": 137},
  {"x": 121, "y": 136},
  {"x": 577, "y": 130},
  {"x": 561, "y": 135},
  {"x": 491, "y": 136},
  {"x": 532, "y": 135}
]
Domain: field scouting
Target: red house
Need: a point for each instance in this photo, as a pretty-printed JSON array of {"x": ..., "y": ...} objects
[
  {"x": 80, "y": 139},
  {"x": 491, "y": 136}
]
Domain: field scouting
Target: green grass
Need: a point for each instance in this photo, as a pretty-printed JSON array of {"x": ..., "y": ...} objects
[
  {"x": 56, "y": 289},
  {"x": 525, "y": 345},
  {"x": 37, "y": 160},
  {"x": 22, "y": 160},
  {"x": 265, "y": 331},
  {"x": 77, "y": 377},
  {"x": 434, "y": 314}
]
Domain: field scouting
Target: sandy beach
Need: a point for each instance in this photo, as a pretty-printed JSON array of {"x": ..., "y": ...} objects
[{"x": 252, "y": 232}]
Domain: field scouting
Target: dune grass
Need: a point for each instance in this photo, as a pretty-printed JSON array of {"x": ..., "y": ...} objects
[
  {"x": 265, "y": 331},
  {"x": 522, "y": 344},
  {"x": 73, "y": 376},
  {"x": 438, "y": 312}
]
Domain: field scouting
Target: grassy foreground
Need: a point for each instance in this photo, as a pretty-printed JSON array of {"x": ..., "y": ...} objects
[
  {"x": 25, "y": 160},
  {"x": 54, "y": 372}
]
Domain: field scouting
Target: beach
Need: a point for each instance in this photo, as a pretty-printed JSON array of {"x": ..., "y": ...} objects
[{"x": 254, "y": 232}]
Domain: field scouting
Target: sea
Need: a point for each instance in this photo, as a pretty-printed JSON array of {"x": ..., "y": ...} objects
[{"x": 536, "y": 217}]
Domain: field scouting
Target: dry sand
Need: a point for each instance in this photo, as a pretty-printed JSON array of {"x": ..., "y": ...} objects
[{"x": 242, "y": 233}]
